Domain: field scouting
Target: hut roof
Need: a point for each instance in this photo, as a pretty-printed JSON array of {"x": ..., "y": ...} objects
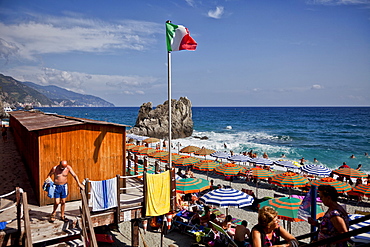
[{"x": 39, "y": 120}]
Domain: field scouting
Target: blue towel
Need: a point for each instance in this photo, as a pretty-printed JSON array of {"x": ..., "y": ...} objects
[
  {"x": 103, "y": 194},
  {"x": 49, "y": 187},
  {"x": 3, "y": 225}
]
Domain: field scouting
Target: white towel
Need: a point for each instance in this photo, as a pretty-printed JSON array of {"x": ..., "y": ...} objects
[{"x": 103, "y": 194}]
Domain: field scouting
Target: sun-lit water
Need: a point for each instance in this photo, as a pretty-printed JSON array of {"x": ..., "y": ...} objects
[{"x": 330, "y": 134}]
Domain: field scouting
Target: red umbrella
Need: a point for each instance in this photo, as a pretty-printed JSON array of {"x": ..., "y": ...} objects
[{"x": 363, "y": 189}]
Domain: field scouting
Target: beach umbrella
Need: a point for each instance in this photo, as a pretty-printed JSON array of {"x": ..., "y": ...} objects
[
  {"x": 185, "y": 161},
  {"x": 158, "y": 154},
  {"x": 363, "y": 237},
  {"x": 363, "y": 189},
  {"x": 227, "y": 198},
  {"x": 221, "y": 155},
  {"x": 138, "y": 148},
  {"x": 146, "y": 151},
  {"x": 191, "y": 185},
  {"x": 151, "y": 140},
  {"x": 129, "y": 145},
  {"x": 288, "y": 164},
  {"x": 189, "y": 149},
  {"x": 140, "y": 170},
  {"x": 316, "y": 170},
  {"x": 349, "y": 172},
  {"x": 229, "y": 169},
  {"x": 259, "y": 173},
  {"x": 166, "y": 158},
  {"x": 341, "y": 187},
  {"x": 262, "y": 161},
  {"x": 289, "y": 179},
  {"x": 239, "y": 158},
  {"x": 287, "y": 208},
  {"x": 206, "y": 165},
  {"x": 204, "y": 151}
]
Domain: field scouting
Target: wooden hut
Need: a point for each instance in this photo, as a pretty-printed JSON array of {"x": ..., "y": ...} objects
[{"x": 95, "y": 149}]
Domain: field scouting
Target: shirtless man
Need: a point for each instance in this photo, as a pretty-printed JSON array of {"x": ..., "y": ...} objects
[
  {"x": 241, "y": 233},
  {"x": 60, "y": 173}
]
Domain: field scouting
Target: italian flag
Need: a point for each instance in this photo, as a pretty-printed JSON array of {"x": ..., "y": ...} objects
[{"x": 178, "y": 38}]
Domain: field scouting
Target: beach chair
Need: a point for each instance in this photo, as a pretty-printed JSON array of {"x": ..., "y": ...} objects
[
  {"x": 230, "y": 241},
  {"x": 182, "y": 220}
]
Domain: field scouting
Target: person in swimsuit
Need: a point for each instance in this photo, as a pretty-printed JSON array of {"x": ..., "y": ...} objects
[
  {"x": 60, "y": 173},
  {"x": 268, "y": 231}
]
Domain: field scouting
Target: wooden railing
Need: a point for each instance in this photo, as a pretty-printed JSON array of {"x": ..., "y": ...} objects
[
  {"x": 87, "y": 229},
  {"x": 21, "y": 199}
]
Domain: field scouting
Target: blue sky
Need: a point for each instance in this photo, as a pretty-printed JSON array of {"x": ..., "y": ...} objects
[{"x": 250, "y": 52}]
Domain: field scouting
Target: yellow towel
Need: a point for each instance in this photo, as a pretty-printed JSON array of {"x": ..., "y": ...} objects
[{"x": 158, "y": 194}]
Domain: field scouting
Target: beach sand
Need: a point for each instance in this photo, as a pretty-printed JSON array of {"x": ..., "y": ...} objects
[{"x": 13, "y": 173}]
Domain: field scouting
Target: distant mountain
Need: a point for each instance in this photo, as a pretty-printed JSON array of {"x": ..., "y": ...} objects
[
  {"x": 14, "y": 93},
  {"x": 63, "y": 97}
]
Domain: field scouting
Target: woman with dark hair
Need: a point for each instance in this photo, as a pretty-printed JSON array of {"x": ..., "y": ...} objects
[
  {"x": 268, "y": 231},
  {"x": 335, "y": 221}
]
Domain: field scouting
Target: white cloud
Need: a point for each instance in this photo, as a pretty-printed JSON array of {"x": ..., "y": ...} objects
[
  {"x": 46, "y": 34},
  {"x": 339, "y": 2},
  {"x": 316, "y": 87},
  {"x": 85, "y": 83},
  {"x": 190, "y": 2},
  {"x": 217, "y": 13}
]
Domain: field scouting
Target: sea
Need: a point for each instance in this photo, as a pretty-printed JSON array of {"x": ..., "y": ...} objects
[{"x": 329, "y": 134}]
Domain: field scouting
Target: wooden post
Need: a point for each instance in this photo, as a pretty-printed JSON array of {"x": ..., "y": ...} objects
[
  {"x": 19, "y": 211},
  {"x": 27, "y": 225},
  {"x": 143, "y": 209},
  {"x": 156, "y": 166},
  {"x": 87, "y": 188},
  {"x": 173, "y": 190},
  {"x": 118, "y": 212},
  {"x": 135, "y": 233},
  {"x": 145, "y": 164}
]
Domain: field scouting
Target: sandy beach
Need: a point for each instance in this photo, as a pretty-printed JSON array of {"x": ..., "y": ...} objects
[{"x": 14, "y": 174}]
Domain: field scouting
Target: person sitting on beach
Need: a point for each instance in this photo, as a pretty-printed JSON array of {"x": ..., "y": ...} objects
[
  {"x": 268, "y": 231},
  {"x": 335, "y": 221},
  {"x": 227, "y": 224},
  {"x": 189, "y": 173},
  {"x": 206, "y": 217},
  {"x": 241, "y": 234}
]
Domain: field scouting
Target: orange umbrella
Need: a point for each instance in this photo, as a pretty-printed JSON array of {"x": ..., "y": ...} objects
[
  {"x": 166, "y": 158},
  {"x": 130, "y": 146},
  {"x": 289, "y": 179},
  {"x": 349, "y": 172},
  {"x": 363, "y": 189},
  {"x": 341, "y": 187},
  {"x": 189, "y": 149},
  {"x": 138, "y": 148},
  {"x": 158, "y": 153},
  {"x": 206, "y": 165},
  {"x": 186, "y": 161},
  {"x": 229, "y": 169}
]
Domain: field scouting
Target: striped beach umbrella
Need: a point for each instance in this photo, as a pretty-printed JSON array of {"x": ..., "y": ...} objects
[
  {"x": 204, "y": 151},
  {"x": 260, "y": 173},
  {"x": 157, "y": 154},
  {"x": 363, "y": 238},
  {"x": 363, "y": 189},
  {"x": 316, "y": 170},
  {"x": 262, "y": 161},
  {"x": 186, "y": 161},
  {"x": 146, "y": 151},
  {"x": 138, "y": 148},
  {"x": 166, "y": 158},
  {"x": 239, "y": 158},
  {"x": 289, "y": 179},
  {"x": 221, "y": 155},
  {"x": 206, "y": 165},
  {"x": 191, "y": 185},
  {"x": 129, "y": 145},
  {"x": 349, "y": 172},
  {"x": 227, "y": 198},
  {"x": 189, "y": 149},
  {"x": 341, "y": 187},
  {"x": 229, "y": 169},
  {"x": 140, "y": 170},
  {"x": 287, "y": 207}
]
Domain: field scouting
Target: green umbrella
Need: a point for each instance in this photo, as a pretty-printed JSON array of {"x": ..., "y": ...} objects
[
  {"x": 186, "y": 161},
  {"x": 341, "y": 187},
  {"x": 191, "y": 185}
]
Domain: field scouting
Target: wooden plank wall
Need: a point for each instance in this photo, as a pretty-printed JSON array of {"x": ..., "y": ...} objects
[{"x": 94, "y": 151}]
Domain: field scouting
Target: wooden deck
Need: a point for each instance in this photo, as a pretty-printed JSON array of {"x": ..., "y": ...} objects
[{"x": 42, "y": 230}]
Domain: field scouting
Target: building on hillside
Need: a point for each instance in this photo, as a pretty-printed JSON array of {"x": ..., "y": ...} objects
[{"x": 95, "y": 149}]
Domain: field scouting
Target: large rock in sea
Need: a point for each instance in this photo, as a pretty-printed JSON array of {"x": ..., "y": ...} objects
[{"x": 154, "y": 122}]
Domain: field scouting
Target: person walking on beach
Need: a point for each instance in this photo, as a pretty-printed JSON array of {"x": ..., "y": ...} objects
[{"x": 60, "y": 173}]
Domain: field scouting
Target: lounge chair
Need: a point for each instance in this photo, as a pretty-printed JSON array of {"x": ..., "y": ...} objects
[{"x": 230, "y": 241}]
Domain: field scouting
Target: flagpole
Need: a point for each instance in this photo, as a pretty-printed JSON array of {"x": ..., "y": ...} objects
[{"x": 169, "y": 110}]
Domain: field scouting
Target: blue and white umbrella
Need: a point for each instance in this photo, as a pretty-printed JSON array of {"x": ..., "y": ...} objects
[
  {"x": 227, "y": 198},
  {"x": 316, "y": 170},
  {"x": 239, "y": 158},
  {"x": 262, "y": 161},
  {"x": 221, "y": 155},
  {"x": 363, "y": 237},
  {"x": 286, "y": 163}
]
